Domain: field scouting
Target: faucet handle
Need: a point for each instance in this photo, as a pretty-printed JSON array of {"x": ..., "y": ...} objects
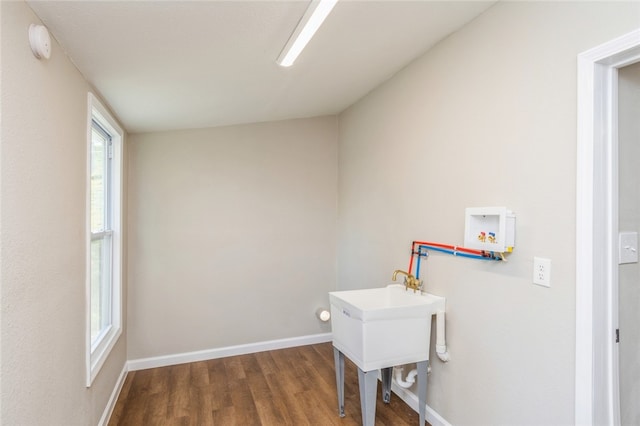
[{"x": 411, "y": 282}]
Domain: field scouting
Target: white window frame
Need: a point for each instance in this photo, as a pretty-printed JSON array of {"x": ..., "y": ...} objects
[{"x": 97, "y": 354}]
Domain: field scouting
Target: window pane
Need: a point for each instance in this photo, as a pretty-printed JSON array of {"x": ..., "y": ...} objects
[
  {"x": 104, "y": 245},
  {"x": 99, "y": 180},
  {"x": 100, "y": 286}
]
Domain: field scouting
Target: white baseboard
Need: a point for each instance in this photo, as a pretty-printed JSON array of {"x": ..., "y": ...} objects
[
  {"x": 411, "y": 399},
  {"x": 111, "y": 404},
  {"x": 165, "y": 360}
]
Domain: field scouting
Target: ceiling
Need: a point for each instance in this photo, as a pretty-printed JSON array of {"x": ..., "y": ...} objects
[{"x": 163, "y": 65}]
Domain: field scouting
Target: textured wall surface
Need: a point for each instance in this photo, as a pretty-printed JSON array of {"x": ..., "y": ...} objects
[
  {"x": 485, "y": 118},
  {"x": 43, "y": 192},
  {"x": 232, "y": 234}
]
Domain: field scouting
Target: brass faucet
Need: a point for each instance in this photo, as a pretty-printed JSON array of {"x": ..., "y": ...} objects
[{"x": 410, "y": 282}]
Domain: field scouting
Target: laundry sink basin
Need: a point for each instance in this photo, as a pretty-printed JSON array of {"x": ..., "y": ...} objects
[{"x": 382, "y": 327}]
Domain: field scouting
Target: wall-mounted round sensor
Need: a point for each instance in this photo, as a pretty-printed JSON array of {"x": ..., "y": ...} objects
[{"x": 40, "y": 41}]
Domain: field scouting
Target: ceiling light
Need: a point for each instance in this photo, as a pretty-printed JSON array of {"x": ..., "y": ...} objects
[{"x": 315, "y": 15}]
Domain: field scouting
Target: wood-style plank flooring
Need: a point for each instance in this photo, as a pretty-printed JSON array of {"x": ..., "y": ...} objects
[{"x": 294, "y": 386}]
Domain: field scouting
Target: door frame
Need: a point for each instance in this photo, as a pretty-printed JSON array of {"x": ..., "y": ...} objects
[{"x": 596, "y": 382}]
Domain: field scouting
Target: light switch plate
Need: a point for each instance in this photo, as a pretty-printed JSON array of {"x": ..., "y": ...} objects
[{"x": 628, "y": 247}]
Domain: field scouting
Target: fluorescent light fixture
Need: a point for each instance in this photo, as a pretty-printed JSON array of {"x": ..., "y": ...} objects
[{"x": 315, "y": 15}]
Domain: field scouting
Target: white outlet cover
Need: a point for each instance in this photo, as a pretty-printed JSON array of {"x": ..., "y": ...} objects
[
  {"x": 628, "y": 247},
  {"x": 542, "y": 271}
]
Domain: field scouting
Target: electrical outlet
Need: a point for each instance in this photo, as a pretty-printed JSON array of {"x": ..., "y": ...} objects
[{"x": 542, "y": 271}]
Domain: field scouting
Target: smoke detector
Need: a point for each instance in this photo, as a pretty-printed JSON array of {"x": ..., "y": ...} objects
[{"x": 40, "y": 41}]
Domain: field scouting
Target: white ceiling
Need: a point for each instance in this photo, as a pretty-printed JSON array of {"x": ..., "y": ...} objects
[{"x": 165, "y": 65}]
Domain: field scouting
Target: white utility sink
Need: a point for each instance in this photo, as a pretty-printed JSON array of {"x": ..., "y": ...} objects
[
  {"x": 382, "y": 327},
  {"x": 379, "y": 328}
]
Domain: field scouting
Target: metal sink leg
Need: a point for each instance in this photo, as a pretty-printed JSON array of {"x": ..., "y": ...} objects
[
  {"x": 368, "y": 384},
  {"x": 338, "y": 358},
  {"x": 386, "y": 374},
  {"x": 423, "y": 368}
]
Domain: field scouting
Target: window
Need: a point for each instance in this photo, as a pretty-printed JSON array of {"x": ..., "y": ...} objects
[{"x": 104, "y": 248}]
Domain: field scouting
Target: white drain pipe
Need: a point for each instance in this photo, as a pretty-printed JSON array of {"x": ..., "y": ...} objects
[
  {"x": 441, "y": 345},
  {"x": 411, "y": 377}
]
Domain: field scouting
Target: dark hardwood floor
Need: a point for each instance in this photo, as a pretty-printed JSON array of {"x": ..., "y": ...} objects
[{"x": 294, "y": 386}]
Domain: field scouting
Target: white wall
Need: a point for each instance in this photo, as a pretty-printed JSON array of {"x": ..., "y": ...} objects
[
  {"x": 232, "y": 234},
  {"x": 487, "y": 117},
  {"x": 629, "y": 220},
  {"x": 43, "y": 187}
]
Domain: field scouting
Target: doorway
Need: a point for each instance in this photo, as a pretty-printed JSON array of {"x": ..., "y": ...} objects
[
  {"x": 628, "y": 306},
  {"x": 597, "y": 378}
]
